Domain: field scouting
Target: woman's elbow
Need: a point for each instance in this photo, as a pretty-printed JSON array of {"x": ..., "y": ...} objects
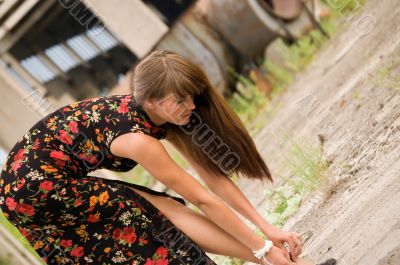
[{"x": 206, "y": 202}]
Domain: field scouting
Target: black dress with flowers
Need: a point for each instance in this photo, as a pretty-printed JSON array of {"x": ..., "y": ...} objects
[{"x": 72, "y": 218}]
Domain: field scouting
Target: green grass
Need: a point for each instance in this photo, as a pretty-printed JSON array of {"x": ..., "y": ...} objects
[
  {"x": 345, "y": 7},
  {"x": 221, "y": 260},
  {"x": 306, "y": 164},
  {"x": 4, "y": 260},
  {"x": 17, "y": 235},
  {"x": 389, "y": 75},
  {"x": 307, "y": 167},
  {"x": 299, "y": 55},
  {"x": 246, "y": 101}
]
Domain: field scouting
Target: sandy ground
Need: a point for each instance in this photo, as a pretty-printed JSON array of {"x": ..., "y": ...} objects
[{"x": 351, "y": 96}]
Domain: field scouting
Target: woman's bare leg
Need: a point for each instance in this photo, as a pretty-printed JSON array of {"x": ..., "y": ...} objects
[{"x": 205, "y": 233}]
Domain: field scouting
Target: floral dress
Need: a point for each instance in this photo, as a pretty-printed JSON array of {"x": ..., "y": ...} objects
[{"x": 72, "y": 218}]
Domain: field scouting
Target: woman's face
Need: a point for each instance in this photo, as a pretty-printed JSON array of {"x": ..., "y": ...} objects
[{"x": 174, "y": 109}]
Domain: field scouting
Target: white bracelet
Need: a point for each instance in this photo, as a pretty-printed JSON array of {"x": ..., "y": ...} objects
[{"x": 261, "y": 252}]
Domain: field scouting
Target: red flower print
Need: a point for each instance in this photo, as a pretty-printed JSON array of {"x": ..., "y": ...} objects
[
  {"x": 26, "y": 233},
  {"x": 73, "y": 126},
  {"x": 77, "y": 252},
  {"x": 162, "y": 262},
  {"x": 149, "y": 262},
  {"x": 129, "y": 235},
  {"x": 36, "y": 144},
  {"x": 78, "y": 203},
  {"x": 66, "y": 243},
  {"x": 123, "y": 108},
  {"x": 65, "y": 138},
  {"x": 142, "y": 240},
  {"x": 17, "y": 159},
  {"x": 91, "y": 159},
  {"x": 20, "y": 155},
  {"x": 59, "y": 155},
  {"x": 162, "y": 251},
  {"x": 46, "y": 185},
  {"x": 117, "y": 234},
  {"x": 93, "y": 218},
  {"x": 25, "y": 209},
  {"x": 138, "y": 120},
  {"x": 16, "y": 165},
  {"x": 20, "y": 183},
  {"x": 147, "y": 124},
  {"x": 11, "y": 204}
]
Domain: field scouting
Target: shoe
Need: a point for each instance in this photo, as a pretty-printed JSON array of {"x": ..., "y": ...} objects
[{"x": 328, "y": 262}]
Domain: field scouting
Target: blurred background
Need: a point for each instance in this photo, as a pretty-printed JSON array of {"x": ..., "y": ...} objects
[{"x": 53, "y": 53}]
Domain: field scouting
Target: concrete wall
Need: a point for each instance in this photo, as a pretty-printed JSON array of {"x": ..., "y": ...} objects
[
  {"x": 15, "y": 116},
  {"x": 142, "y": 32}
]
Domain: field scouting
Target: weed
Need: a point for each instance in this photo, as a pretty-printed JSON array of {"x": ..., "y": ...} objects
[
  {"x": 307, "y": 168},
  {"x": 388, "y": 76}
]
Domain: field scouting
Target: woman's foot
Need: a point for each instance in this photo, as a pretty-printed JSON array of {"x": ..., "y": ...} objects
[{"x": 328, "y": 262}]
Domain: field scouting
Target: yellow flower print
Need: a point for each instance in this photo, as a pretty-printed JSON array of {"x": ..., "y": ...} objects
[
  {"x": 38, "y": 244},
  {"x": 48, "y": 168},
  {"x": 103, "y": 197},
  {"x": 88, "y": 144},
  {"x": 7, "y": 188},
  {"x": 81, "y": 231},
  {"x": 93, "y": 201},
  {"x": 107, "y": 249}
]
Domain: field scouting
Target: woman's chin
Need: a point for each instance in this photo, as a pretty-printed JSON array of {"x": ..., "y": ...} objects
[{"x": 182, "y": 121}]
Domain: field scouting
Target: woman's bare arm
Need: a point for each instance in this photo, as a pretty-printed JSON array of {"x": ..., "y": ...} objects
[
  {"x": 151, "y": 154},
  {"x": 227, "y": 190}
]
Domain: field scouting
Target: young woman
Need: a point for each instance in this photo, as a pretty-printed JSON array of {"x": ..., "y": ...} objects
[{"x": 72, "y": 218}]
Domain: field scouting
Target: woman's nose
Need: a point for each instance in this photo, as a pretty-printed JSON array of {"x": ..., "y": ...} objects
[{"x": 190, "y": 105}]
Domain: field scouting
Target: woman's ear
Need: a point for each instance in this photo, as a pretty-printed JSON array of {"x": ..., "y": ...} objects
[{"x": 150, "y": 104}]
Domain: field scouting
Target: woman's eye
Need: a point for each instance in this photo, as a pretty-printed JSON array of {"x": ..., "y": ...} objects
[{"x": 181, "y": 100}]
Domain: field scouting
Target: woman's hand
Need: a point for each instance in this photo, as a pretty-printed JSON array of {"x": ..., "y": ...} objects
[
  {"x": 277, "y": 256},
  {"x": 279, "y": 237}
]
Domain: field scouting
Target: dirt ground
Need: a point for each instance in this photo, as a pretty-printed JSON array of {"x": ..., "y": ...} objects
[{"x": 350, "y": 95}]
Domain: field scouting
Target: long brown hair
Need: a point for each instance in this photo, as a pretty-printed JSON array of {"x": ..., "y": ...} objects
[{"x": 215, "y": 137}]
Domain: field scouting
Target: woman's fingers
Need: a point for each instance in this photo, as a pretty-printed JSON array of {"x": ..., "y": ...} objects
[
  {"x": 286, "y": 254},
  {"x": 299, "y": 246},
  {"x": 292, "y": 246}
]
